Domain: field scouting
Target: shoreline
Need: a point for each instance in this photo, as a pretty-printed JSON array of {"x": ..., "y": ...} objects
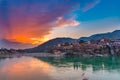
[
  {"x": 30, "y": 55},
  {"x": 42, "y": 54}
]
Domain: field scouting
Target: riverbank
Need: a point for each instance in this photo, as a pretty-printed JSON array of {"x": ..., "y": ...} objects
[
  {"x": 87, "y": 52},
  {"x": 48, "y": 55},
  {"x": 31, "y": 55}
]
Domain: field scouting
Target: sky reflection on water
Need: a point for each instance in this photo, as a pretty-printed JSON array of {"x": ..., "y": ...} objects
[
  {"x": 25, "y": 68},
  {"x": 66, "y": 68}
]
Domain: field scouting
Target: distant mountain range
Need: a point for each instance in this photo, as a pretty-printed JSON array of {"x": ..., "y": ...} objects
[
  {"x": 4, "y": 43},
  {"x": 110, "y": 35},
  {"x": 49, "y": 44}
]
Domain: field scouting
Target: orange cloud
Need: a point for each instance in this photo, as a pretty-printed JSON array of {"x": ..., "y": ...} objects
[
  {"x": 32, "y": 28},
  {"x": 30, "y": 21}
]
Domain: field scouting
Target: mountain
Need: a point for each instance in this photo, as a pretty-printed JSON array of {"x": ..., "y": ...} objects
[
  {"x": 110, "y": 35},
  {"x": 49, "y": 44},
  {"x": 4, "y": 43}
]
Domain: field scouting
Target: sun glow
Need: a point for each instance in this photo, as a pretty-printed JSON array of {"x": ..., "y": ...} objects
[{"x": 38, "y": 40}]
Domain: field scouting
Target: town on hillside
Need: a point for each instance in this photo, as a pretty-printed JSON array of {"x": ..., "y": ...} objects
[{"x": 103, "y": 47}]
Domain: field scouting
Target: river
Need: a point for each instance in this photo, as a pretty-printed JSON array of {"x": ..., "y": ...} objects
[{"x": 60, "y": 68}]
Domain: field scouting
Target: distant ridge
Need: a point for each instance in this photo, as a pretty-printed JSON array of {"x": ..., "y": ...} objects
[
  {"x": 4, "y": 43},
  {"x": 110, "y": 35}
]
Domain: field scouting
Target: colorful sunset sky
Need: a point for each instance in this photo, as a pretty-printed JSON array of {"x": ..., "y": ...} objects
[{"x": 36, "y": 21}]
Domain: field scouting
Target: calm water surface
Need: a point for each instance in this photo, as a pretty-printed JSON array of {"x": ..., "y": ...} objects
[{"x": 65, "y": 68}]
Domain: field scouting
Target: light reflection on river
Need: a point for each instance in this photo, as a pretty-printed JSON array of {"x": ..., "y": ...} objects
[
  {"x": 25, "y": 68},
  {"x": 66, "y": 68}
]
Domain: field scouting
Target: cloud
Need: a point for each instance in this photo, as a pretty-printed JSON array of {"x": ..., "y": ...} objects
[
  {"x": 60, "y": 22},
  {"x": 90, "y": 5},
  {"x": 23, "y": 20}
]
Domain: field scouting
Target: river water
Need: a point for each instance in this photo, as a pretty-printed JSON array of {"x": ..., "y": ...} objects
[{"x": 64, "y": 68}]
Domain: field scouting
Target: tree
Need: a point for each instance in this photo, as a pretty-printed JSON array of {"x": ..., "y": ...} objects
[
  {"x": 66, "y": 44},
  {"x": 81, "y": 41}
]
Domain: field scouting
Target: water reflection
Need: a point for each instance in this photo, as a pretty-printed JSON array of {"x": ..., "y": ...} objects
[
  {"x": 97, "y": 63},
  {"x": 25, "y": 68},
  {"x": 64, "y": 68},
  {"x": 92, "y": 68}
]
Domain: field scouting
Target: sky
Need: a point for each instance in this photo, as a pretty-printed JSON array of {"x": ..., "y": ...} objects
[{"x": 36, "y": 21}]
